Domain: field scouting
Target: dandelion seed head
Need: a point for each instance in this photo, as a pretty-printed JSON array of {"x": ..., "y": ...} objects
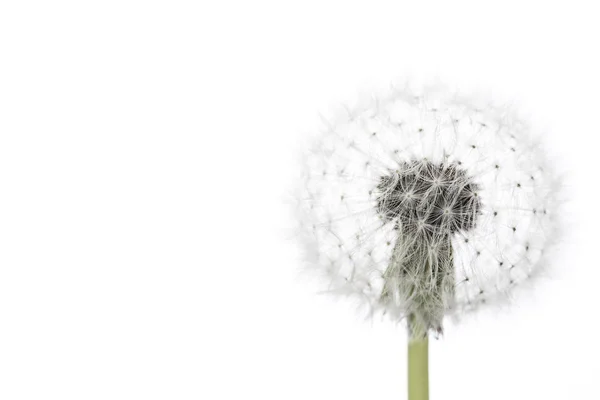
[{"x": 426, "y": 204}]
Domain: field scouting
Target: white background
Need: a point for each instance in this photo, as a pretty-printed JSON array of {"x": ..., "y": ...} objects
[{"x": 146, "y": 147}]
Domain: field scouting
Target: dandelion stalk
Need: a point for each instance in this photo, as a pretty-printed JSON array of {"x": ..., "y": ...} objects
[{"x": 418, "y": 368}]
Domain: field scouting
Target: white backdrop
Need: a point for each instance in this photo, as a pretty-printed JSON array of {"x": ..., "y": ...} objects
[{"x": 146, "y": 147}]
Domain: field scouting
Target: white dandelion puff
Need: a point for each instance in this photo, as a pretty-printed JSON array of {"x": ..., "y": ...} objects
[{"x": 426, "y": 204}]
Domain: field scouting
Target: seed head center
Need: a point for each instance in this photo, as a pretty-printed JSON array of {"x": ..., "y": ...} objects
[{"x": 421, "y": 195}]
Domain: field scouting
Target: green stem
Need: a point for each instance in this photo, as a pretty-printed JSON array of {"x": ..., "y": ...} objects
[{"x": 418, "y": 368}]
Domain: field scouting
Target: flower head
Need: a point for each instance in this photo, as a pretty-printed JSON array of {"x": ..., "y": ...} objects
[{"x": 426, "y": 204}]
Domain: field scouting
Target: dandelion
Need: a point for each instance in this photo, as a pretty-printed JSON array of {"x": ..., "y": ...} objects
[{"x": 425, "y": 205}]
